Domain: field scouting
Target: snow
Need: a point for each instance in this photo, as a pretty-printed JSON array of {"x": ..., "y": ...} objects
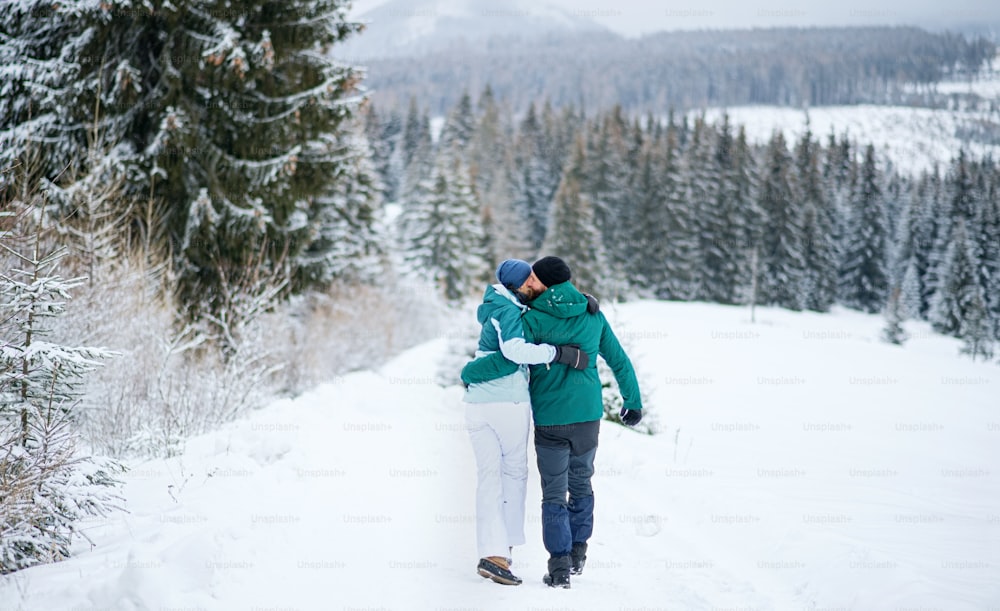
[
  {"x": 800, "y": 464},
  {"x": 913, "y": 138}
]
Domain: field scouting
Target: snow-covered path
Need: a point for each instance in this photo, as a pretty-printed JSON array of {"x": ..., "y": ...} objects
[{"x": 800, "y": 465}]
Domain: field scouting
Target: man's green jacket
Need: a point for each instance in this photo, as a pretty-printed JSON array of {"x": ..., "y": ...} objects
[{"x": 561, "y": 394}]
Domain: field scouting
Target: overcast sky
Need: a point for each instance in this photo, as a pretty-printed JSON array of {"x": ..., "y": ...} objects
[{"x": 636, "y": 17}]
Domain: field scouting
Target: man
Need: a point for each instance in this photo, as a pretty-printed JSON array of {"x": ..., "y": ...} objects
[
  {"x": 567, "y": 408},
  {"x": 498, "y": 417}
]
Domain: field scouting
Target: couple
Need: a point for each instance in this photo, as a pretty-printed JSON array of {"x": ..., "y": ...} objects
[{"x": 564, "y": 399}]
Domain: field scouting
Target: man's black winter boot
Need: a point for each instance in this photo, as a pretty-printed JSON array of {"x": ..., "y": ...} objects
[
  {"x": 558, "y": 575},
  {"x": 578, "y": 557}
]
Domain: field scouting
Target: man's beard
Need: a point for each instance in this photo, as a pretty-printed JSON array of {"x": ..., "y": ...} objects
[{"x": 526, "y": 295}]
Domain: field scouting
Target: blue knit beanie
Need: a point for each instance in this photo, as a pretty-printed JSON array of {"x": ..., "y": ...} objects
[{"x": 513, "y": 272}]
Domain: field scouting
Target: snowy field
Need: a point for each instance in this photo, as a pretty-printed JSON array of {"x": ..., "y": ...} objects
[
  {"x": 913, "y": 138},
  {"x": 800, "y": 464}
]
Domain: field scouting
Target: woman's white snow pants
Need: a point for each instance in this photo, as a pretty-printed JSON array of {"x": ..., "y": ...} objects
[{"x": 499, "y": 434}]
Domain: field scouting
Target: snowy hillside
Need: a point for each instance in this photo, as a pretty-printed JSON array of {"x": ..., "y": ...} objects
[
  {"x": 801, "y": 464},
  {"x": 403, "y": 27},
  {"x": 913, "y": 138}
]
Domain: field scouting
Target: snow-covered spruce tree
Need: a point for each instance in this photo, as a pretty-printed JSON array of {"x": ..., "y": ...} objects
[
  {"x": 347, "y": 247},
  {"x": 985, "y": 233},
  {"x": 384, "y": 131},
  {"x": 937, "y": 228},
  {"x": 46, "y": 486},
  {"x": 442, "y": 233},
  {"x": 959, "y": 291},
  {"x": 492, "y": 169},
  {"x": 864, "y": 275},
  {"x": 818, "y": 219},
  {"x": 460, "y": 126},
  {"x": 909, "y": 298},
  {"x": 701, "y": 182},
  {"x": 234, "y": 105},
  {"x": 415, "y": 131},
  {"x": 895, "y": 314},
  {"x": 782, "y": 262},
  {"x": 989, "y": 241},
  {"x": 742, "y": 187},
  {"x": 43, "y": 48},
  {"x": 572, "y": 234},
  {"x": 560, "y": 130},
  {"x": 533, "y": 180},
  {"x": 907, "y": 250},
  {"x": 681, "y": 245},
  {"x": 728, "y": 244},
  {"x": 264, "y": 105},
  {"x": 647, "y": 265},
  {"x": 419, "y": 162},
  {"x": 976, "y": 333},
  {"x": 607, "y": 180}
]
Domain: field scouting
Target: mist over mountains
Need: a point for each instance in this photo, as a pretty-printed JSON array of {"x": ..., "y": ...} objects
[
  {"x": 404, "y": 28},
  {"x": 595, "y": 69}
]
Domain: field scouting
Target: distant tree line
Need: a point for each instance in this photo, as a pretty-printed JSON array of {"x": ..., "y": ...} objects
[
  {"x": 685, "y": 70},
  {"x": 687, "y": 210}
]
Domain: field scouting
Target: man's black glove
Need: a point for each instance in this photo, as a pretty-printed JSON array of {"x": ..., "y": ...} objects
[
  {"x": 631, "y": 417},
  {"x": 570, "y": 354},
  {"x": 593, "y": 305}
]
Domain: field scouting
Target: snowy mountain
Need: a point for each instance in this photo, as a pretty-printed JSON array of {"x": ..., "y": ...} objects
[
  {"x": 407, "y": 27},
  {"x": 800, "y": 464}
]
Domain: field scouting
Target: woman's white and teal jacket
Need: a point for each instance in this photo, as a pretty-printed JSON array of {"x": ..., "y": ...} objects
[{"x": 500, "y": 317}]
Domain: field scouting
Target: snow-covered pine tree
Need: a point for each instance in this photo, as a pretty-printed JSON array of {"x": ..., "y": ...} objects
[
  {"x": 492, "y": 167},
  {"x": 415, "y": 132},
  {"x": 908, "y": 248},
  {"x": 239, "y": 108},
  {"x": 725, "y": 256},
  {"x": 962, "y": 187},
  {"x": 647, "y": 263},
  {"x": 46, "y": 486},
  {"x": 419, "y": 162},
  {"x": 782, "y": 262},
  {"x": 383, "y": 132},
  {"x": 959, "y": 288},
  {"x": 742, "y": 188},
  {"x": 937, "y": 233},
  {"x": 44, "y": 49},
  {"x": 607, "y": 180},
  {"x": 989, "y": 240},
  {"x": 572, "y": 233},
  {"x": 679, "y": 235},
  {"x": 839, "y": 178},
  {"x": 702, "y": 178},
  {"x": 489, "y": 144},
  {"x": 532, "y": 187},
  {"x": 864, "y": 275},
  {"x": 910, "y": 299},
  {"x": 559, "y": 130},
  {"x": 819, "y": 218},
  {"x": 895, "y": 314},
  {"x": 268, "y": 104},
  {"x": 442, "y": 231},
  {"x": 975, "y": 331},
  {"x": 459, "y": 127},
  {"x": 348, "y": 245}
]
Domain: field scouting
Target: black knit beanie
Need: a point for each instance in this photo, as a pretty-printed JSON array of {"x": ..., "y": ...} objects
[{"x": 551, "y": 271}]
